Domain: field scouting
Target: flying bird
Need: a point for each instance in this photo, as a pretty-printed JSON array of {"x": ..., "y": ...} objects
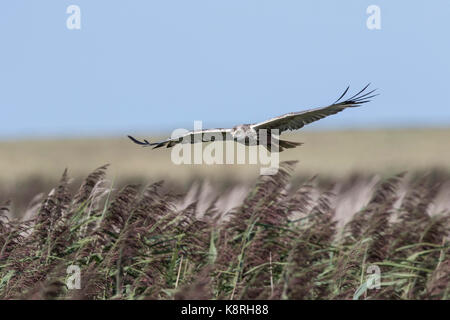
[{"x": 254, "y": 133}]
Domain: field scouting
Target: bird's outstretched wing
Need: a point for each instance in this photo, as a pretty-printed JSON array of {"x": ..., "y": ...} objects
[
  {"x": 190, "y": 137},
  {"x": 296, "y": 120}
]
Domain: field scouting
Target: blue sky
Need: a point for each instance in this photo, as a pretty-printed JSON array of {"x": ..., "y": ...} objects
[{"x": 151, "y": 66}]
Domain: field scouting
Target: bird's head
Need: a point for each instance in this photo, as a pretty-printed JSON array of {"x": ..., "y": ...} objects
[
  {"x": 243, "y": 131},
  {"x": 238, "y": 132}
]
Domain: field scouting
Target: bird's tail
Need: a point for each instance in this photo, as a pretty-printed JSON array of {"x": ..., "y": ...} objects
[{"x": 282, "y": 145}]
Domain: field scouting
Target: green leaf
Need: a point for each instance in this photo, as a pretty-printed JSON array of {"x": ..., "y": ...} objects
[
  {"x": 212, "y": 248},
  {"x": 362, "y": 288},
  {"x": 6, "y": 278}
]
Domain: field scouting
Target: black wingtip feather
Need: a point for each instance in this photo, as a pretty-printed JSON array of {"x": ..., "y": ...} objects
[
  {"x": 342, "y": 95},
  {"x": 360, "y": 97},
  {"x": 145, "y": 143}
]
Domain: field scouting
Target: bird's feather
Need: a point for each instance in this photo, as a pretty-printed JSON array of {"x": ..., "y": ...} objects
[
  {"x": 296, "y": 120},
  {"x": 189, "y": 137}
]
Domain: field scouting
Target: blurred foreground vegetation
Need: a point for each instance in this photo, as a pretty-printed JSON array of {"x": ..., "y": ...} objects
[{"x": 277, "y": 242}]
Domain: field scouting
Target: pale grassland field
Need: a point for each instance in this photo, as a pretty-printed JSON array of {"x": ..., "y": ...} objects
[{"x": 331, "y": 153}]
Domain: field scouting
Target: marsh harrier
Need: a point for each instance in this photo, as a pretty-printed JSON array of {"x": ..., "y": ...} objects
[{"x": 253, "y": 133}]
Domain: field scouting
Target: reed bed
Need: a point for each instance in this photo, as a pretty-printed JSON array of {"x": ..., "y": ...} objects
[{"x": 268, "y": 241}]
